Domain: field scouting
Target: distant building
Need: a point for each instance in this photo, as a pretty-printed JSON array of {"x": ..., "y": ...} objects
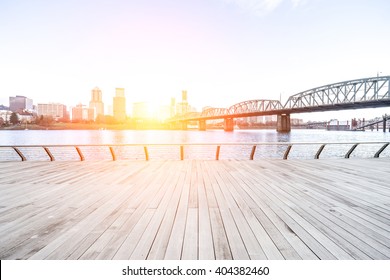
[
  {"x": 20, "y": 103},
  {"x": 173, "y": 109},
  {"x": 182, "y": 107},
  {"x": 295, "y": 121},
  {"x": 56, "y": 110},
  {"x": 96, "y": 102},
  {"x": 338, "y": 125},
  {"x": 2, "y": 107},
  {"x": 119, "y": 105},
  {"x": 184, "y": 96},
  {"x": 26, "y": 117},
  {"x": 270, "y": 119},
  {"x": 80, "y": 113},
  {"x": 141, "y": 110}
]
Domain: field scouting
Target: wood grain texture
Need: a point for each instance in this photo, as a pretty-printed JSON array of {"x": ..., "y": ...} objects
[{"x": 196, "y": 209}]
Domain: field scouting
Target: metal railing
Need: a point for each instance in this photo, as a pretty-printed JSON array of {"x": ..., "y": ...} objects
[{"x": 113, "y": 151}]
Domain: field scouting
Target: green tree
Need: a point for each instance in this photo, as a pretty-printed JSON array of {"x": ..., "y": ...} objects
[{"x": 14, "y": 119}]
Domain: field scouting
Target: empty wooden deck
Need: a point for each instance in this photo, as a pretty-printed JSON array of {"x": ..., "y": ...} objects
[{"x": 196, "y": 209}]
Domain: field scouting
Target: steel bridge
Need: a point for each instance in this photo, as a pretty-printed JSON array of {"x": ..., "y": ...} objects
[{"x": 354, "y": 94}]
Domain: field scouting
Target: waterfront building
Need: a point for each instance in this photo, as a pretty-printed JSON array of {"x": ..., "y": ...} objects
[
  {"x": 119, "y": 105},
  {"x": 80, "y": 113},
  {"x": 20, "y": 103},
  {"x": 141, "y": 110},
  {"x": 96, "y": 102},
  {"x": 26, "y": 117},
  {"x": 182, "y": 107},
  {"x": 56, "y": 110}
]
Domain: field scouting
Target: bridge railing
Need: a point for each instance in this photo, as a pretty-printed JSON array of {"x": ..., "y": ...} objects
[{"x": 182, "y": 151}]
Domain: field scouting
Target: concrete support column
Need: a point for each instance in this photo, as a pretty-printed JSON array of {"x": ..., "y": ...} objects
[
  {"x": 202, "y": 125},
  {"x": 228, "y": 125},
  {"x": 283, "y": 124},
  {"x": 384, "y": 124}
]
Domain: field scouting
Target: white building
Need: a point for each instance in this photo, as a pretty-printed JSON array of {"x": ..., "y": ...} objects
[{"x": 56, "y": 110}]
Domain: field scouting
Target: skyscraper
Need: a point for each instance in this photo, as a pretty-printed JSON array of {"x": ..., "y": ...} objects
[
  {"x": 119, "y": 105},
  {"x": 20, "y": 103},
  {"x": 182, "y": 107},
  {"x": 96, "y": 102}
]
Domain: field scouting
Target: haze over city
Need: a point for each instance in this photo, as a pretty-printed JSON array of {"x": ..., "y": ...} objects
[{"x": 220, "y": 51}]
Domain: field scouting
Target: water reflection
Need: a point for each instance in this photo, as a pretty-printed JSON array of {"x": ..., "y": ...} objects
[
  {"x": 46, "y": 137},
  {"x": 77, "y": 137}
]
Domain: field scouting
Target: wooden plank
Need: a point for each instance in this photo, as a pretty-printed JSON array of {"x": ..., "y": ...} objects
[
  {"x": 237, "y": 246},
  {"x": 133, "y": 238},
  {"x": 168, "y": 188},
  {"x": 206, "y": 251},
  {"x": 176, "y": 240},
  {"x": 220, "y": 240},
  {"x": 160, "y": 244},
  {"x": 195, "y": 209},
  {"x": 190, "y": 244},
  {"x": 252, "y": 245}
]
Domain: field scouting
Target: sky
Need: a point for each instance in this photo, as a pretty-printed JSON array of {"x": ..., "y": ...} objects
[{"x": 221, "y": 52}]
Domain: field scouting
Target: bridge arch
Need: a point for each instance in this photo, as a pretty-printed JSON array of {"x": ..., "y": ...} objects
[
  {"x": 253, "y": 106},
  {"x": 353, "y": 94}
]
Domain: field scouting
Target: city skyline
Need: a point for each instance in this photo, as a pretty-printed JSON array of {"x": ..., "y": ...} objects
[{"x": 221, "y": 51}]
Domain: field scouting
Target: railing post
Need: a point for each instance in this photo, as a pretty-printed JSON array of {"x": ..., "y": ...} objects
[
  {"x": 252, "y": 153},
  {"x": 146, "y": 153},
  {"x": 20, "y": 153},
  {"x": 181, "y": 152},
  {"x": 317, "y": 156},
  {"x": 286, "y": 153},
  {"x": 49, "y": 153},
  {"x": 381, "y": 150},
  {"x": 348, "y": 154},
  {"x": 217, "y": 153},
  {"x": 80, "y": 153},
  {"x": 112, "y": 153}
]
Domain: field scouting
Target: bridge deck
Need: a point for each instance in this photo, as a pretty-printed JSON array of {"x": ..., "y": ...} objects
[{"x": 268, "y": 209}]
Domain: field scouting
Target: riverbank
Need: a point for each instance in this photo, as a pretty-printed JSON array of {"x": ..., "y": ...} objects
[
  {"x": 93, "y": 126},
  {"x": 75, "y": 126}
]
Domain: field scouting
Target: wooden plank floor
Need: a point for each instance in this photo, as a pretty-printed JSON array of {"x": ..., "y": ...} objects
[{"x": 196, "y": 209}]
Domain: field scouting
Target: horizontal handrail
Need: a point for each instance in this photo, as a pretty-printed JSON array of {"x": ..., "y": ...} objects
[
  {"x": 252, "y": 145},
  {"x": 196, "y": 144}
]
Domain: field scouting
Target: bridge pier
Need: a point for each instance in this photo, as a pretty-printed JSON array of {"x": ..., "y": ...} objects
[
  {"x": 202, "y": 125},
  {"x": 283, "y": 123},
  {"x": 228, "y": 124}
]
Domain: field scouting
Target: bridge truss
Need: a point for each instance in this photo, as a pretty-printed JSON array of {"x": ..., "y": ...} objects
[{"x": 354, "y": 94}]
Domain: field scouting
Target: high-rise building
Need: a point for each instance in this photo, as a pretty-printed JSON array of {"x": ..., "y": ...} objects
[
  {"x": 119, "y": 105},
  {"x": 20, "y": 103},
  {"x": 182, "y": 107},
  {"x": 56, "y": 110},
  {"x": 79, "y": 113},
  {"x": 96, "y": 102},
  {"x": 184, "y": 96}
]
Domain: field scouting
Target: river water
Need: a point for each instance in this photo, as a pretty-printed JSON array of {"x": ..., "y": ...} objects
[{"x": 78, "y": 137}]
